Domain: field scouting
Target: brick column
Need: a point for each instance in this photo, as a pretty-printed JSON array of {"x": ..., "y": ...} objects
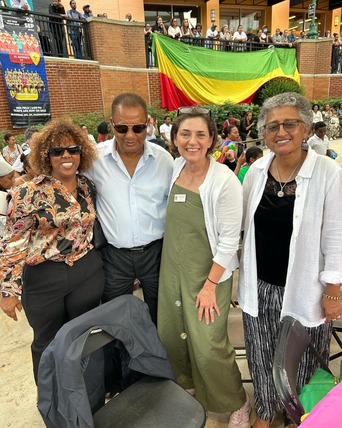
[{"x": 314, "y": 56}]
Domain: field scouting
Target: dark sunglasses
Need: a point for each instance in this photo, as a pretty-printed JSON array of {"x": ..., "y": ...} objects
[
  {"x": 198, "y": 110},
  {"x": 123, "y": 129},
  {"x": 59, "y": 151}
]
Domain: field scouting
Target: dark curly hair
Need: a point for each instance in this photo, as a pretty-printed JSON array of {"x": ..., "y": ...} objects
[{"x": 54, "y": 134}]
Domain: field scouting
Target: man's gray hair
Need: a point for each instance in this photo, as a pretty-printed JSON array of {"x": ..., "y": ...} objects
[{"x": 287, "y": 99}]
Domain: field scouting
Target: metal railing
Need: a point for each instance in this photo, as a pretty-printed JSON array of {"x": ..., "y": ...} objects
[
  {"x": 229, "y": 45},
  {"x": 58, "y": 36}
]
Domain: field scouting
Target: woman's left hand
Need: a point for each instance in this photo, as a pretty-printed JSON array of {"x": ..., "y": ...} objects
[
  {"x": 206, "y": 303},
  {"x": 331, "y": 309}
]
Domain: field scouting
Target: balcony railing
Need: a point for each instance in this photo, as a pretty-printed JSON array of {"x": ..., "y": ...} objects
[
  {"x": 58, "y": 36},
  {"x": 229, "y": 45}
]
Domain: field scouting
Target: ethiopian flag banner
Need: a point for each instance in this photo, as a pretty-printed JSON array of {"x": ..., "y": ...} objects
[{"x": 191, "y": 75}]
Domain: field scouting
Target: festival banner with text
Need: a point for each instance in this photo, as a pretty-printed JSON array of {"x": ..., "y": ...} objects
[{"x": 23, "y": 69}]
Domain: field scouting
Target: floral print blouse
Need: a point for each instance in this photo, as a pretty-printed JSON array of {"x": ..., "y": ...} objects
[{"x": 44, "y": 222}]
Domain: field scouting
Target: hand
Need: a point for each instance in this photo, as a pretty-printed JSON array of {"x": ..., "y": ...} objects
[
  {"x": 206, "y": 303},
  {"x": 9, "y": 306},
  {"x": 331, "y": 309},
  {"x": 242, "y": 159}
]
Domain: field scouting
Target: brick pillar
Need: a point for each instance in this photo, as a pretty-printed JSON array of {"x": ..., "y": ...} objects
[
  {"x": 314, "y": 56},
  {"x": 118, "y": 43}
]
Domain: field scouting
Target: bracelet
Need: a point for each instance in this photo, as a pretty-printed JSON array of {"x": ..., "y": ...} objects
[
  {"x": 213, "y": 282},
  {"x": 327, "y": 296}
]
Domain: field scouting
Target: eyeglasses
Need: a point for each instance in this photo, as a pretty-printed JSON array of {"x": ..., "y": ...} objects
[
  {"x": 123, "y": 129},
  {"x": 59, "y": 151},
  {"x": 289, "y": 126},
  {"x": 199, "y": 110}
]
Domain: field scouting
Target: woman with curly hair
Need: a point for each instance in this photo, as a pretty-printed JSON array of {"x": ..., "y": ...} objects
[{"x": 46, "y": 255}]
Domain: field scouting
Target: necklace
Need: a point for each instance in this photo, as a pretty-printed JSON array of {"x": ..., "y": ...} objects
[
  {"x": 281, "y": 193},
  {"x": 74, "y": 192}
]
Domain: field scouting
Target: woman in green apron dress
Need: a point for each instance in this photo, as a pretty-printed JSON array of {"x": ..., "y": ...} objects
[{"x": 199, "y": 256}]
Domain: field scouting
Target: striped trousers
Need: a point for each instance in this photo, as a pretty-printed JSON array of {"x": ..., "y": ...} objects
[{"x": 261, "y": 334}]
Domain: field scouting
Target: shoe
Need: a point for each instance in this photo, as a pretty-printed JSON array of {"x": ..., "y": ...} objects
[{"x": 240, "y": 418}]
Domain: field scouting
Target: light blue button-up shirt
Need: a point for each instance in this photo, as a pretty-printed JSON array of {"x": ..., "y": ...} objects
[{"x": 132, "y": 210}]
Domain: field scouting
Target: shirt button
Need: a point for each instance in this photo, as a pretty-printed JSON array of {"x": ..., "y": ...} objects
[
  {"x": 178, "y": 303},
  {"x": 183, "y": 336}
]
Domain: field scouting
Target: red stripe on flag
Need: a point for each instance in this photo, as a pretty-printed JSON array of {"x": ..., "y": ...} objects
[{"x": 173, "y": 97}]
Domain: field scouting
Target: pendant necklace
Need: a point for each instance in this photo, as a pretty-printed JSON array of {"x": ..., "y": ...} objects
[{"x": 281, "y": 193}]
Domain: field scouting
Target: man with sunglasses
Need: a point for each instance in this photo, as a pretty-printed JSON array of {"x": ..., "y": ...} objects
[{"x": 132, "y": 178}]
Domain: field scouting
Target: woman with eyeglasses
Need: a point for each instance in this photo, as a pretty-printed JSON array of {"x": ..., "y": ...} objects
[
  {"x": 291, "y": 261},
  {"x": 201, "y": 239},
  {"x": 47, "y": 258},
  {"x": 174, "y": 30}
]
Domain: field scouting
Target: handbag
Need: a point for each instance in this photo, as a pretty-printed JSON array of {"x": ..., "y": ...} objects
[
  {"x": 99, "y": 240},
  {"x": 318, "y": 387}
]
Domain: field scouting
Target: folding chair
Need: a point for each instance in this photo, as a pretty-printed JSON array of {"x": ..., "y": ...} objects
[
  {"x": 71, "y": 381},
  {"x": 337, "y": 328},
  {"x": 293, "y": 341},
  {"x": 236, "y": 332}
]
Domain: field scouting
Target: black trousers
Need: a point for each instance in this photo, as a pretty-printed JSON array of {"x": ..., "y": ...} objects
[
  {"x": 122, "y": 267},
  {"x": 54, "y": 293}
]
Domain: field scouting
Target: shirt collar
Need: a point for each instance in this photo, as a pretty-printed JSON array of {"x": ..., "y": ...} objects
[{"x": 110, "y": 149}]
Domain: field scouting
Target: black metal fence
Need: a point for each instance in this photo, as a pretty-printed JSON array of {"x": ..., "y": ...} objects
[
  {"x": 58, "y": 36},
  {"x": 229, "y": 45}
]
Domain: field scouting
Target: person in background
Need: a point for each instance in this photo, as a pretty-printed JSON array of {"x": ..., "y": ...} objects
[
  {"x": 212, "y": 34},
  {"x": 85, "y": 130},
  {"x": 198, "y": 31},
  {"x": 148, "y": 45},
  {"x": 277, "y": 38},
  {"x": 174, "y": 30},
  {"x": 165, "y": 130},
  {"x": 159, "y": 26},
  {"x": 303, "y": 35},
  {"x": 326, "y": 114},
  {"x": 12, "y": 150},
  {"x": 291, "y": 261},
  {"x": 56, "y": 26},
  {"x": 246, "y": 160},
  {"x": 128, "y": 17},
  {"x": 20, "y": 4},
  {"x": 335, "y": 124},
  {"x": 248, "y": 127},
  {"x": 87, "y": 13},
  {"x": 104, "y": 132},
  {"x": 224, "y": 33},
  {"x": 230, "y": 121},
  {"x": 7, "y": 177},
  {"x": 316, "y": 114},
  {"x": 29, "y": 173},
  {"x": 291, "y": 38},
  {"x": 251, "y": 37},
  {"x": 18, "y": 165},
  {"x": 132, "y": 177},
  {"x": 319, "y": 142},
  {"x": 46, "y": 253},
  {"x": 204, "y": 212},
  {"x": 185, "y": 29},
  {"x": 75, "y": 31}
]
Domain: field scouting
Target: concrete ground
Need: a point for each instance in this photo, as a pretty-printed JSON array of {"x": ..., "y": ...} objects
[{"x": 17, "y": 389}]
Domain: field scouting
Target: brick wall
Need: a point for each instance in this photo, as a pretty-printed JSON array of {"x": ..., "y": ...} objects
[
  {"x": 313, "y": 56},
  {"x": 335, "y": 89},
  {"x": 118, "y": 43},
  {"x": 74, "y": 86}
]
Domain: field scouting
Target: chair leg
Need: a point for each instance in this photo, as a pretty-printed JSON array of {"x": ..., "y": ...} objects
[{"x": 339, "y": 342}]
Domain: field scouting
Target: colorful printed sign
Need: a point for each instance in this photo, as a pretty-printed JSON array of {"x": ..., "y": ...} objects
[{"x": 23, "y": 68}]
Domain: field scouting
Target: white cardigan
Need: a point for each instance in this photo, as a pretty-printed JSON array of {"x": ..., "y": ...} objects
[
  {"x": 221, "y": 196},
  {"x": 315, "y": 256}
]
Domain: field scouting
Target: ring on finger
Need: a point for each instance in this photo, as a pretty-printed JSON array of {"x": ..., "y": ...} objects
[{"x": 212, "y": 310}]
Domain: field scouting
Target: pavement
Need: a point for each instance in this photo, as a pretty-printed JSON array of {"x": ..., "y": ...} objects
[{"x": 18, "y": 391}]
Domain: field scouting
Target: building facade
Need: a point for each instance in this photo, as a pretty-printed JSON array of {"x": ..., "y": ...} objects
[{"x": 285, "y": 14}]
